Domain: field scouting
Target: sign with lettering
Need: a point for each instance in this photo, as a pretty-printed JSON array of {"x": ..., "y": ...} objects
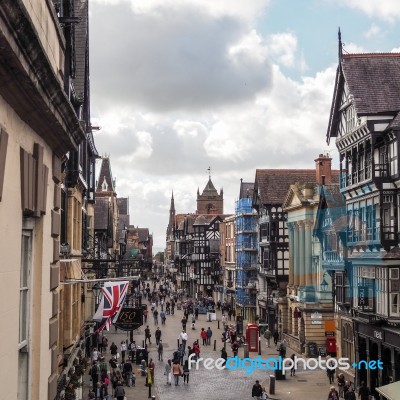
[
  {"x": 316, "y": 322},
  {"x": 316, "y": 315},
  {"x": 380, "y": 335},
  {"x": 129, "y": 319},
  {"x": 362, "y": 296},
  {"x": 329, "y": 334}
]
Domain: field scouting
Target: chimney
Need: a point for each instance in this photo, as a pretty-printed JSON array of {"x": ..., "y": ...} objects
[{"x": 323, "y": 169}]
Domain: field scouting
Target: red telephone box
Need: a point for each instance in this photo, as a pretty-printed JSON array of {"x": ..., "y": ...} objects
[
  {"x": 252, "y": 337},
  {"x": 331, "y": 346}
]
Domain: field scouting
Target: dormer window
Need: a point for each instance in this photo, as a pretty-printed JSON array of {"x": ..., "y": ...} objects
[{"x": 104, "y": 185}]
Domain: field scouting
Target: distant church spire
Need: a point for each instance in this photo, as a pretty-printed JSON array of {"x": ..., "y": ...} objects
[
  {"x": 172, "y": 207},
  {"x": 340, "y": 44}
]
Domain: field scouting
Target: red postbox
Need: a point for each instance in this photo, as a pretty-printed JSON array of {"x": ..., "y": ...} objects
[
  {"x": 331, "y": 346},
  {"x": 252, "y": 337}
]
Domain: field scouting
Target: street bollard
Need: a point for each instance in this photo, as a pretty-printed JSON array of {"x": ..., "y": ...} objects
[
  {"x": 153, "y": 397},
  {"x": 178, "y": 343},
  {"x": 150, "y": 391},
  {"x": 218, "y": 324},
  {"x": 271, "y": 384},
  {"x": 259, "y": 346},
  {"x": 142, "y": 344},
  {"x": 215, "y": 345},
  {"x": 245, "y": 351}
]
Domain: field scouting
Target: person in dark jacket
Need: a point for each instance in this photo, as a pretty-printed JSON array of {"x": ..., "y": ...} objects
[
  {"x": 257, "y": 391},
  {"x": 119, "y": 391},
  {"x": 364, "y": 392}
]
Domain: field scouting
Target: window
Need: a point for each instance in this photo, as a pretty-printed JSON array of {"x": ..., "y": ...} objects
[
  {"x": 347, "y": 342},
  {"x": 26, "y": 260},
  {"x": 381, "y": 291},
  {"x": 394, "y": 288},
  {"x": 393, "y": 158},
  {"x": 24, "y": 315},
  {"x": 388, "y": 217}
]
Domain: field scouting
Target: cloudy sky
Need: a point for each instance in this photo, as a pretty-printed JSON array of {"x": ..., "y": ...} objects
[{"x": 181, "y": 85}]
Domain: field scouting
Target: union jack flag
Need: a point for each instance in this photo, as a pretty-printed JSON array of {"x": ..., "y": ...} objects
[{"x": 113, "y": 298}]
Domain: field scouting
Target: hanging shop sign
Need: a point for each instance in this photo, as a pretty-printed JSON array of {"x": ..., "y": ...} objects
[{"x": 129, "y": 319}]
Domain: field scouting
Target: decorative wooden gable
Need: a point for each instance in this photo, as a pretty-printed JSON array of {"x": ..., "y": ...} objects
[
  {"x": 213, "y": 229},
  {"x": 348, "y": 116}
]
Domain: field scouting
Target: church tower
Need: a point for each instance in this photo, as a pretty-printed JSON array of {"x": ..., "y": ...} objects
[
  {"x": 210, "y": 202},
  {"x": 171, "y": 222}
]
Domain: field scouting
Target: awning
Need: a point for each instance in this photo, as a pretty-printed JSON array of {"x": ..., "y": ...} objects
[
  {"x": 391, "y": 391},
  {"x": 134, "y": 252}
]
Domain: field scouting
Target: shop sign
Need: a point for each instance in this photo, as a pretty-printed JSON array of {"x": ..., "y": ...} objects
[
  {"x": 329, "y": 334},
  {"x": 316, "y": 322},
  {"x": 129, "y": 319},
  {"x": 316, "y": 315},
  {"x": 380, "y": 335},
  {"x": 363, "y": 296}
]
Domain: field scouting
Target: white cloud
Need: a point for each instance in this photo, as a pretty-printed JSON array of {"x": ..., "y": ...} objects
[
  {"x": 373, "y": 31},
  {"x": 283, "y": 46},
  {"x": 247, "y": 11},
  {"x": 395, "y": 50},
  {"x": 388, "y": 10},
  {"x": 189, "y": 128},
  {"x": 353, "y": 48}
]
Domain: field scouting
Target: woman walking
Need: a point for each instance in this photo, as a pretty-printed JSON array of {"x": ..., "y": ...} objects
[
  {"x": 177, "y": 372},
  {"x": 167, "y": 373}
]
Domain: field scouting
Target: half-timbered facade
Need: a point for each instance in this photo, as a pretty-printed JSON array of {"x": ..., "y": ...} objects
[
  {"x": 270, "y": 189},
  {"x": 365, "y": 123}
]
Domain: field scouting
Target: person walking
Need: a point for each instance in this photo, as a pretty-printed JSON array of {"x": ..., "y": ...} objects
[
  {"x": 209, "y": 335},
  {"x": 341, "y": 383},
  {"x": 203, "y": 335},
  {"x": 224, "y": 355},
  {"x": 177, "y": 372},
  {"x": 333, "y": 394},
  {"x": 267, "y": 336},
  {"x": 113, "y": 349},
  {"x": 167, "y": 373},
  {"x": 158, "y": 335},
  {"x": 160, "y": 350},
  {"x": 155, "y": 316},
  {"x": 363, "y": 391},
  {"x": 181, "y": 354},
  {"x": 145, "y": 313},
  {"x": 119, "y": 391},
  {"x": 183, "y": 336},
  {"x": 293, "y": 369},
  {"x": 186, "y": 372},
  {"x": 123, "y": 348},
  {"x": 257, "y": 391},
  {"x": 184, "y": 322},
  {"x": 276, "y": 337},
  {"x": 224, "y": 320},
  {"x": 163, "y": 317},
  {"x": 147, "y": 335}
]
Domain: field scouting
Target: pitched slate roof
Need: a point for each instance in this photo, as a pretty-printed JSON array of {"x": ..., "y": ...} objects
[
  {"x": 81, "y": 47},
  {"x": 273, "y": 184},
  {"x": 373, "y": 80},
  {"x": 246, "y": 190},
  {"x": 143, "y": 234},
  {"x": 210, "y": 190},
  {"x": 105, "y": 174}
]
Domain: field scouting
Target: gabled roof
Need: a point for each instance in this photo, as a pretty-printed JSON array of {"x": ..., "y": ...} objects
[
  {"x": 105, "y": 174},
  {"x": 333, "y": 201},
  {"x": 246, "y": 190},
  {"x": 273, "y": 184},
  {"x": 210, "y": 190},
  {"x": 143, "y": 234},
  {"x": 373, "y": 80}
]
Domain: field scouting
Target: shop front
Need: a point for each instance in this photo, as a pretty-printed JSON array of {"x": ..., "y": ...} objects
[{"x": 377, "y": 343}]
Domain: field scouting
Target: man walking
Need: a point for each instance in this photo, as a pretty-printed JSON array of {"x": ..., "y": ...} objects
[
  {"x": 155, "y": 315},
  {"x": 158, "y": 335},
  {"x": 160, "y": 350},
  {"x": 183, "y": 336},
  {"x": 257, "y": 391},
  {"x": 276, "y": 337},
  {"x": 147, "y": 335},
  {"x": 209, "y": 334}
]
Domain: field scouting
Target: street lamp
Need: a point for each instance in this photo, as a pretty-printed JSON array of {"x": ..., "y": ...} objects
[
  {"x": 96, "y": 289},
  {"x": 324, "y": 284}
]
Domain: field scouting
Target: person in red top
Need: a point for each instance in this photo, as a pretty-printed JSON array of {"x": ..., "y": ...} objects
[
  {"x": 196, "y": 349},
  {"x": 203, "y": 335}
]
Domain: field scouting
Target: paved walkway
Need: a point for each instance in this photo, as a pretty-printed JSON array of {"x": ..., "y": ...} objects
[{"x": 213, "y": 384}]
